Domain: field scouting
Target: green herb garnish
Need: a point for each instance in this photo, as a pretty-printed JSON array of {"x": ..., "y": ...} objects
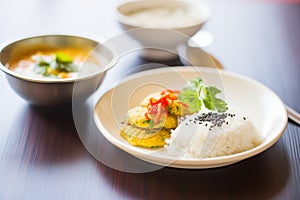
[
  {"x": 62, "y": 58},
  {"x": 191, "y": 98},
  {"x": 54, "y": 66},
  {"x": 195, "y": 94},
  {"x": 210, "y": 100},
  {"x": 150, "y": 122}
]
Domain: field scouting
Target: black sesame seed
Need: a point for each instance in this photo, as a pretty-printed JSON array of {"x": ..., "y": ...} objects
[
  {"x": 214, "y": 119},
  {"x": 244, "y": 118}
]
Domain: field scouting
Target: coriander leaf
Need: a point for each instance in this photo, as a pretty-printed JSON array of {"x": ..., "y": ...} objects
[
  {"x": 195, "y": 93},
  {"x": 191, "y": 99},
  {"x": 63, "y": 58},
  {"x": 210, "y": 100},
  {"x": 194, "y": 85},
  {"x": 43, "y": 63},
  {"x": 150, "y": 122}
]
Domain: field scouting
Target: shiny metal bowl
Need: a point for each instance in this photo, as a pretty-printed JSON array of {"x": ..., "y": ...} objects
[{"x": 54, "y": 92}]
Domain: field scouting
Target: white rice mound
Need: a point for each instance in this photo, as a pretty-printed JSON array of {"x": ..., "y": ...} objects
[{"x": 201, "y": 139}]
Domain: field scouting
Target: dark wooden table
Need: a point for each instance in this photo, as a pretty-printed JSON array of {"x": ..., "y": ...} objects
[{"x": 42, "y": 156}]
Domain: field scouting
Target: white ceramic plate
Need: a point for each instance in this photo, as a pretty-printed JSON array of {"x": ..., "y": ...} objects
[{"x": 258, "y": 102}]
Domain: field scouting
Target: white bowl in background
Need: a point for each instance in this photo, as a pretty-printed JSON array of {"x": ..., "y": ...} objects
[{"x": 160, "y": 26}]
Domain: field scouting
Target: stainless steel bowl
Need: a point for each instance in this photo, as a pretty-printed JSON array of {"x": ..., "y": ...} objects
[{"x": 53, "y": 92}]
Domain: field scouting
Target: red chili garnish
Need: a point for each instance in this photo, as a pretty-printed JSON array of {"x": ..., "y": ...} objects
[
  {"x": 172, "y": 96},
  {"x": 159, "y": 106},
  {"x": 147, "y": 116},
  {"x": 152, "y": 110},
  {"x": 158, "y": 114}
]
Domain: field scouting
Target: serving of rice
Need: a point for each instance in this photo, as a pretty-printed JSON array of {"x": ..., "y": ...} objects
[{"x": 211, "y": 134}]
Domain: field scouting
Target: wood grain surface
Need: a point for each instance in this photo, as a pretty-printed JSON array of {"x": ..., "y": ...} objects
[{"x": 43, "y": 157}]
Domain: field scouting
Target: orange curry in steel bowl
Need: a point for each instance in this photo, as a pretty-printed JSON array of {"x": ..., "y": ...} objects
[{"x": 51, "y": 63}]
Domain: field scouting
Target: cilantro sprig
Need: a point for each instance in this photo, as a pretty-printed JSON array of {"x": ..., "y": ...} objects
[{"x": 195, "y": 94}]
